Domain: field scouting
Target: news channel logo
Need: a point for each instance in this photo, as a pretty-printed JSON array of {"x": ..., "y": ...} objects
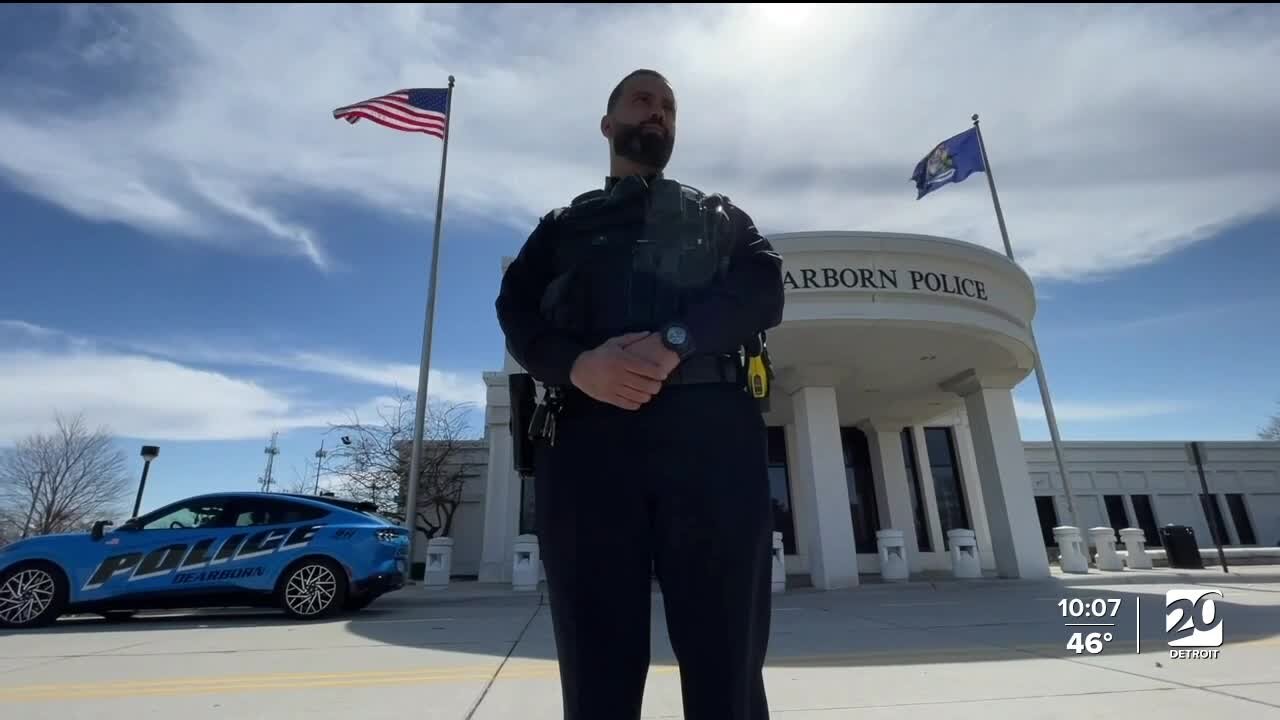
[{"x": 1192, "y": 623}]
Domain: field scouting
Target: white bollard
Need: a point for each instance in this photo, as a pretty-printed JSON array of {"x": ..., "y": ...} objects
[
  {"x": 779, "y": 564},
  {"x": 439, "y": 560},
  {"x": 1104, "y": 539},
  {"x": 1135, "y": 545},
  {"x": 893, "y": 555},
  {"x": 1072, "y": 557},
  {"x": 527, "y": 563},
  {"x": 964, "y": 553}
]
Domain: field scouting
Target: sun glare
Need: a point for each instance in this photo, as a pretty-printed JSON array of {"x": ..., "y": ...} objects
[{"x": 785, "y": 15}]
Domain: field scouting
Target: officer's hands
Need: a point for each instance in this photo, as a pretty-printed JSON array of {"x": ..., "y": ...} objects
[
  {"x": 650, "y": 347},
  {"x": 614, "y": 374}
]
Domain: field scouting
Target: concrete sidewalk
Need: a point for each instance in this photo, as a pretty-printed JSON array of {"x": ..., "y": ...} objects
[
  {"x": 958, "y": 650},
  {"x": 470, "y": 591}
]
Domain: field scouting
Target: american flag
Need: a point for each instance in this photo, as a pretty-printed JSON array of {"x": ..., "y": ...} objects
[{"x": 412, "y": 110}]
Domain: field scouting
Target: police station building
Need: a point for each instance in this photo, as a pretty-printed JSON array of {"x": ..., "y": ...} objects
[{"x": 892, "y": 409}]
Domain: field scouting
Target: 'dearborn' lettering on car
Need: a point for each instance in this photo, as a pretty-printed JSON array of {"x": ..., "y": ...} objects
[{"x": 200, "y": 554}]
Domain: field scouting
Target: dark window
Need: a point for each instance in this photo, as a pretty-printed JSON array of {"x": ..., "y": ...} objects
[
  {"x": 1048, "y": 519},
  {"x": 1116, "y": 514},
  {"x": 1146, "y": 519},
  {"x": 1240, "y": 516},
  {"x": 862, "y": 489},
  {"x": 953, "y": 511},
  {"x": 252, "y": 512},
  {"x": 923, "y": 539},
  {"x": 780, "y": 489},
  {"x": 528, "y": 516},
  {"x": 203, "y": 512},
  {"x": 1213, "y": 516}
]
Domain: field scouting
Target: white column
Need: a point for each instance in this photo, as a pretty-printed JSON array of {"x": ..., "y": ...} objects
[
  {"x": 833, "y": 561},
  {"x": 796, "y": 469},
  {"x": 893, "y": 491},
  {"x": 502, "y": 484},
  {"x": 1002, "y": 473},
  {"x": 971, "y": 486}
]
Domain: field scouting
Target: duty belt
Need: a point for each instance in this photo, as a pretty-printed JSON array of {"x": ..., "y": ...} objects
[
  {"x": 706, "y": 369},
  {"x": 696, "y": 370}
]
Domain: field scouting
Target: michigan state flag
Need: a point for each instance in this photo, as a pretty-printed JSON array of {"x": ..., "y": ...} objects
[{"x": 950, "y": 162}]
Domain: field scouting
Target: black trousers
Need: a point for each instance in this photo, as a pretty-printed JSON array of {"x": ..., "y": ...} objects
[{"x": 679, "y": 488}]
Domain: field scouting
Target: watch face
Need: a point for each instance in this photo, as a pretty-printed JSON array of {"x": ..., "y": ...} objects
[{"x": 676, "y": 335}]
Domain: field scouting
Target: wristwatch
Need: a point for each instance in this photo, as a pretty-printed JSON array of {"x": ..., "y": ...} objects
[{"x": 675, "y": 337}]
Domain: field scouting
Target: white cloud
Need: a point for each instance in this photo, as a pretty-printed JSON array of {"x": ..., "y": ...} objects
[
  {"x": 442, "y": 385},
  {"x": 1116, "y": 134},
  {"x": 32, "y": 329},
  {"x": 1177, "y": 320},
  {"x": 168, "y": 395},
  {"x": 1093, "y": 412},
  {"x": 138, "y": 396}
]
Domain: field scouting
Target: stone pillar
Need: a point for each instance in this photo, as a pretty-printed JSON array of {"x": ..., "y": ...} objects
[
  {"x": 1136, "y": 557},
  {"x": 502, "y": 484},
  {"x": 439, "y": 563},
  {"x": 1073, "y": 554},
  {"x": 1104, "y": 539},
  {"x": 893, "y": 490},
  {"x": 779, "y": 573},
  {"x": 796, "y": 470},
  {"x": 1016, "y": 540},
  {"x": 822, "y": 489},
  {"x": 971, "y": 485}
]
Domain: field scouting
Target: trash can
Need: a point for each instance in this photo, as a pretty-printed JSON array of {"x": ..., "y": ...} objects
[{"x": 1180, "y": 546}]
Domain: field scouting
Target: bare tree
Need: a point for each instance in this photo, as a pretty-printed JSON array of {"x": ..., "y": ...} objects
[
  {"x": 371, "y": 462},
  {"x": 444, "y": 469},
  {"x": 63, "y": 480},
  {"x": 300, "y": 484},
  {"x": 1272, "y": 429}
]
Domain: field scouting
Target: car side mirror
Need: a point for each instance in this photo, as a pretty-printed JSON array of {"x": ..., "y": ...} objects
[{"x": 98, "y": 528}]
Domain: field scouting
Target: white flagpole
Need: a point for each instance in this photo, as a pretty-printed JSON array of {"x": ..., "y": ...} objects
[
  {"x": 1035, "y": 349},
  {"x": 424, "y": 366}
]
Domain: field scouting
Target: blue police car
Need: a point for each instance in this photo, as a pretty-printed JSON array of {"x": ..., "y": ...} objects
[{"x": 310, "y": 556}]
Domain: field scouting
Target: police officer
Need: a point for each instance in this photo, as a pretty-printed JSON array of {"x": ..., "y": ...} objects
[{"x": 632, "y": 306}]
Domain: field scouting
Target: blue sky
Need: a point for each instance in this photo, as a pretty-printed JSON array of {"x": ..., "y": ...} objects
[{"x": 197, "y": 254}]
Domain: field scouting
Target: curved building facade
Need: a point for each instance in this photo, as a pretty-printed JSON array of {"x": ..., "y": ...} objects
[{"x": 892, "y": 407}]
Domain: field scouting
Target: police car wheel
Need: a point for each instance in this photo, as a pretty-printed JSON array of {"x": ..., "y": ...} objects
[
  {"x": 31, "y": 595},
  {"x": 313, "y": 589}
]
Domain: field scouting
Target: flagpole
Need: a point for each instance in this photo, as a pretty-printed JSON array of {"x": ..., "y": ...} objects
[
  {"x": 424, "y": 366},
  {"x": 1040, "y": 378}
]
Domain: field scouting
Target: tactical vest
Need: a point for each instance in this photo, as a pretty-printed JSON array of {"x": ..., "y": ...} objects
[{"x": 635, "y": 256}]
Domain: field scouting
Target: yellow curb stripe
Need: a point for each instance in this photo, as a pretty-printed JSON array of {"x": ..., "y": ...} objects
[
  {"x": 527, "y": 670},
  {"x": 233, "y": 679},
  {"x": 207, "y": 688}
]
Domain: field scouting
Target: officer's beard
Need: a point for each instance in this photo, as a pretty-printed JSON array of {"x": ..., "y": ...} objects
[{"x": 643, "y": 147}]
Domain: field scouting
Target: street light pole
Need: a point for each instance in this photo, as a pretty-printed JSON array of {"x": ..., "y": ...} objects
[
  {"x": 149, "y": 453},
  {"x": 35, "y": 496}
]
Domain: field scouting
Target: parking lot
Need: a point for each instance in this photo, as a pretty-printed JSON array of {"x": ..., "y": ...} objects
[{"x": 955, "y": 650}]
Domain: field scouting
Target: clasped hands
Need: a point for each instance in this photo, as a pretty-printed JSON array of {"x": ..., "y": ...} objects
[{"x": 625, "y": 371}]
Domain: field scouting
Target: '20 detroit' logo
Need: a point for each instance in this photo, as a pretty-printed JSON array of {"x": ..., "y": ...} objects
[{"x": 181, "y": 556}]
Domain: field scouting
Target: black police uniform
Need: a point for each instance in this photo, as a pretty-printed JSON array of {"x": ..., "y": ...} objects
[{"x": 678, "y": 488}]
